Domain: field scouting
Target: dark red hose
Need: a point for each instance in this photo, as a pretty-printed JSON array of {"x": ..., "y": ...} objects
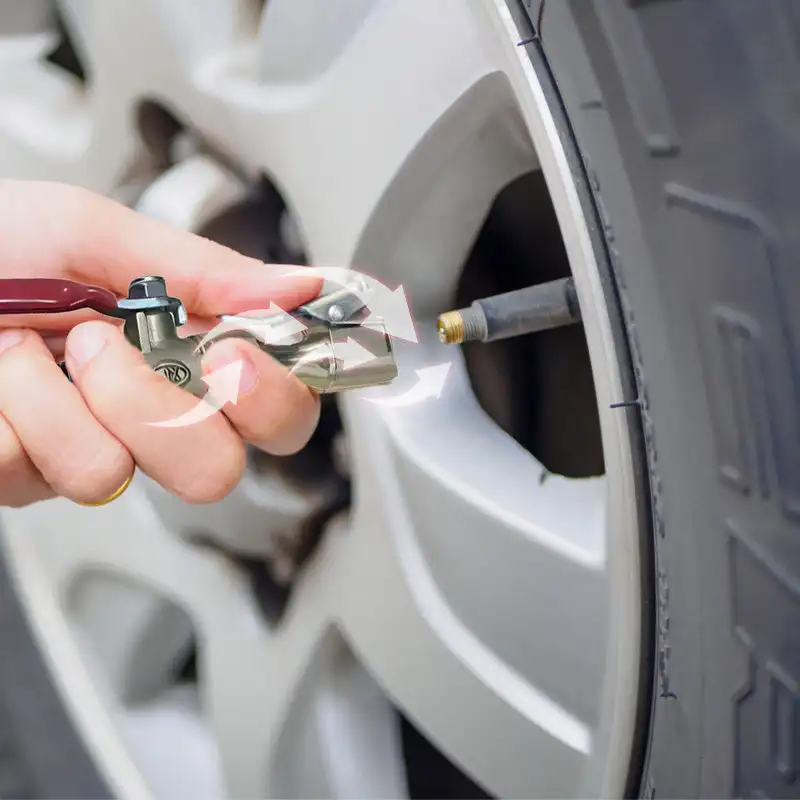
[{"x": 53, "y": 296}]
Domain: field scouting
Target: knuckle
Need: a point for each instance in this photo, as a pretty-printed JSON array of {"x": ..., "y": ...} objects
[
  {"x": 97, "y": 477},
  {"x": 11, "y": 450},
  {"x": 106, "y": 389},
  {"x": 215, "y": 478},
  {"x": 27, "y": 351},
  {"x": 20, "y": 483},
  {"x": 290, "y": 426}
]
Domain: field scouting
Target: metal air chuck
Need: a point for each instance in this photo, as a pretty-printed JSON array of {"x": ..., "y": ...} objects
[{"x": 316, "y": 348}]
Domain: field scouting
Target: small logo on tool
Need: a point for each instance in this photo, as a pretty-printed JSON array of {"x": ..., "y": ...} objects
[{"x": 174, "y": 371}]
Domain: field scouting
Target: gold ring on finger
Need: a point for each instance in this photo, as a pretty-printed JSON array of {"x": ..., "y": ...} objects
[{"x": 112, "y": 497}]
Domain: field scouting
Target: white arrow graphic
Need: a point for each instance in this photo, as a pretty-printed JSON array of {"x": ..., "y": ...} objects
[
  {"x": 304, "y": 359},
  {"x": 273, "y": 326},
  {"x": 391, "y": 305},
  {"x": 352, "y": 354},
  {"x": 430, "y": 384},
  {"x": 223, "y": 387}
]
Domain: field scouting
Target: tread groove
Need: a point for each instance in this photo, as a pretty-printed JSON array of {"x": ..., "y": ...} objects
[{"x": 640, "y": 79}]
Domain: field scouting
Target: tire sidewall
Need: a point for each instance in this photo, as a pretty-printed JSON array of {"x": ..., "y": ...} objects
[{"x": 699, "y": 669}]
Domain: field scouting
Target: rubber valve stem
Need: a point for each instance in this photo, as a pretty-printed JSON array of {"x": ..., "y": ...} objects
[{"x": 530, "y": 310}]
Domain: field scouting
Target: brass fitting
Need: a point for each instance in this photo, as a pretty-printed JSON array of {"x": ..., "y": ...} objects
[{"x": 450, "y": 326}]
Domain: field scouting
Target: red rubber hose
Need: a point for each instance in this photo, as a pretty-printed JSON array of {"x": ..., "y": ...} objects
[{"x": 53, "y": 296}]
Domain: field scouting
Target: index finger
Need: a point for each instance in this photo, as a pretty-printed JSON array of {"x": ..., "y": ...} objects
[{"x": 101, "y": 242}]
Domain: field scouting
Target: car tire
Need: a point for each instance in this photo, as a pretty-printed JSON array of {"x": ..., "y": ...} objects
[
  {"x": 40, "y": 753},
  {"x": 684, "y": 118}
]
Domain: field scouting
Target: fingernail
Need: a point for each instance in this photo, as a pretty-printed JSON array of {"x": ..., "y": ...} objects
[
  {"x": 86, "y": 341},
  {"x": 292, "y": 271},
  {"x": 9, "y": 339},
  {"x": 226, "y": 354},
  {"x": 287, "y": 269}
]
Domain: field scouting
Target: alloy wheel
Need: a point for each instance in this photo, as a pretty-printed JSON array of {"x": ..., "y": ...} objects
[{"x": 498, "y": 612}]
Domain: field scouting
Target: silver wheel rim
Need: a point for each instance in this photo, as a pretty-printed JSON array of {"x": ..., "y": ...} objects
[{"x": 502, "y": 617}]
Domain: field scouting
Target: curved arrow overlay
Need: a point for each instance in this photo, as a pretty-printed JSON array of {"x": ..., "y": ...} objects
[
  {"x": 276, "y": 326},
  {"x": 430, "y": 383},
  {"x": 223, "y": 387},
  {"x": 350, "y": 353},
  {"x": 273, "y": 326},
  {"x": 389, "y": 305}
]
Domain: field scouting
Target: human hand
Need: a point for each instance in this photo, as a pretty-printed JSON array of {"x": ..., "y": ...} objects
[{"x": 82, "y": 440}]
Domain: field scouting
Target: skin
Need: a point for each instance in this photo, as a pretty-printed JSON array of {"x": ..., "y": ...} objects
[{"x": 83, "y": 440}]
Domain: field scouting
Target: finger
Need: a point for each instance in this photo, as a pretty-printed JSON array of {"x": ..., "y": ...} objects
[
  {"x": 200, "y": 462},
  {"x": 96, "y": 240},
  {"x": 51, "y": 324},
  {"x": 56, "y": 342},
  {"x": 20, "y": 482},
  {"x": 75, "y": 455},
  {"x": 274, "y": 410}
]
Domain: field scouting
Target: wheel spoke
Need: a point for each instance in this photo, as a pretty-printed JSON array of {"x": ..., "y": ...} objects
[
  {"x": 182, "y": 33},
  {"x": 341, "y": 738},
  {"x": 494, "y": 607},
  {"x": 137, "y": 637},
  {"x": 124, "y": 538},
  {"x": 249, "y": 521},
  {"x": 245, "y": 688},
  {"x": 300, "y": 39},
  {"x": 45, "y": 125},
  {"x": 370, "y": 108},
  {"x": 50, "y": 123},
  {"x": 292, "y": 712}
]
